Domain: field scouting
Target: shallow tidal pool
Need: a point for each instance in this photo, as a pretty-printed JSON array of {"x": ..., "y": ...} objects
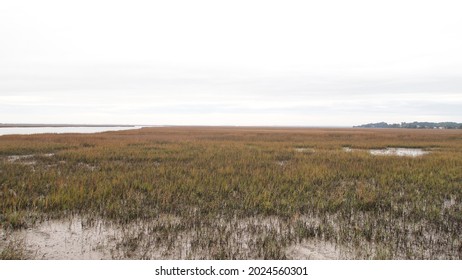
[{"x": 403, "y": 152}]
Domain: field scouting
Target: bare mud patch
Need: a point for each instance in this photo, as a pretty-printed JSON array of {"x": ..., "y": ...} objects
[
  {"x": 27, "y": 159},
  {"x": 70, "y": 239},
  {"x": 315, "y": 250},
  {"x": 87, "y": 166},
  {"x": 22, "y": 159}
]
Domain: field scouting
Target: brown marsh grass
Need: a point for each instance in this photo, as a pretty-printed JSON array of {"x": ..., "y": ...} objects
[{"x": 214, "y": 179}]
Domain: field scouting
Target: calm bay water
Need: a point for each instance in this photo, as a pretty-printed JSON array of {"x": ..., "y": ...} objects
[{"x": 38, "y": 130}]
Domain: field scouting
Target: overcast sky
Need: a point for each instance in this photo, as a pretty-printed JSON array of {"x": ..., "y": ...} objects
[{"x": 308, "y": 63}]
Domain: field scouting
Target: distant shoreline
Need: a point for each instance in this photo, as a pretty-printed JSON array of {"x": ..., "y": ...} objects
[{"x": 413, "y": 125}]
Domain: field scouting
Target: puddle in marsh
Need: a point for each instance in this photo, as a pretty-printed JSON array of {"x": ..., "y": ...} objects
[
  {"x": 304, "y": 150},
  {"x": 404, "y": 152}
]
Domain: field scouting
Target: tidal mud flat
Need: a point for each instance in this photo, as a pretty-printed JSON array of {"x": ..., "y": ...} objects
[
  {"x": 232, "y": 193},
  {"x": 78, "y": 238}
]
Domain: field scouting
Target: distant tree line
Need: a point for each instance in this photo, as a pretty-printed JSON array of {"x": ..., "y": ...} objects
[{"x": 431, "y": 125}]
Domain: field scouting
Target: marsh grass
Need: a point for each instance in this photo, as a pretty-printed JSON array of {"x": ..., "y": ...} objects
[
  {"x": 213, "y": 179},
  {"x": 13, "y": 250}
]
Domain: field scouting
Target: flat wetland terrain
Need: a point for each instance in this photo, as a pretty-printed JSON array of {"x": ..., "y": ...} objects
[{"x": 232, "y": 193}]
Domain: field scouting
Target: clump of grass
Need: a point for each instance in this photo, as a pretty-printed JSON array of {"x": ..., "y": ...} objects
[{"x": 13, "y": 250}]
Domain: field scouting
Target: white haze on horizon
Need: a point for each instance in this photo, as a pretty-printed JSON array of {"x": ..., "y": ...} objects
[{"x": 300, "y": 63}]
